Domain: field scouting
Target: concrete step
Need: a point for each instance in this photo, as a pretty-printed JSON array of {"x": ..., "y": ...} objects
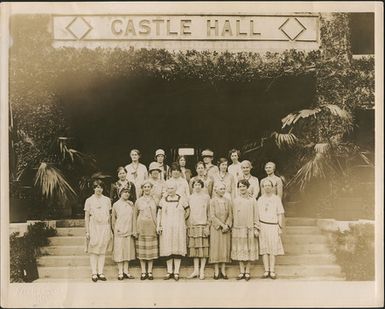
[
  {"x": 209, "y": 278},
  {"x": 83, "y": 260},
  {"x": 290, "y": 249},
  {"x": 283, "y": 271},
  {"x": 287, "y": 239},
  {"x": 298, "y": 221},
  {"x": 289, "y": 230},
  {"x": 292, "y": 221}
]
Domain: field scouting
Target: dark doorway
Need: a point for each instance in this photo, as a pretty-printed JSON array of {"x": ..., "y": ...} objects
[{"x": 110, "y": 117}]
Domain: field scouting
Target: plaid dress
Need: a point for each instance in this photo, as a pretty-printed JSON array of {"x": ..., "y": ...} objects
[{"x": 147, "y": 243}]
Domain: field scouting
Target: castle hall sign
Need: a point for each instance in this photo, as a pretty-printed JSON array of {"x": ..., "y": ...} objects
[{"x": 182, "y": 32}]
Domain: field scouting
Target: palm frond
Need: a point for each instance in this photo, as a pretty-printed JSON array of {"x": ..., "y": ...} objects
[
  {"x": 321, "y": 148},
  {"x": 337, "y": 111},
  {"x": 283, "y": 140},
  {"x": 317, "y": 167},
  {"x": 51, "y": 183},
  {"x": 292, "y": 118}
]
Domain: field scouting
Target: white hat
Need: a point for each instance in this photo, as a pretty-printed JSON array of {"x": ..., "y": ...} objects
[
  {"x": 207, "y": 153},
  {"x": 154, "y": 166},
  {"x": 160, "y": 152}
]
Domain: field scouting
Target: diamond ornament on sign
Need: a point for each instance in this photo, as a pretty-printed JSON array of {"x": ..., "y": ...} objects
[
  {"x": 292, "y": 28},
  {"x": 79, "y": 27}
]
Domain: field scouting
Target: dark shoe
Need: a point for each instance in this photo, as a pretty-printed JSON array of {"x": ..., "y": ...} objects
[
  {"x": 273, "y": 275},
  {"x": 176, "y": 277},
  {"x": 216, "y": 277},
  {"x": 94, "y": 278},
  {"x": 143, "y": 276},
  {"x": 150, "y": 276},
  {"x": 247, "y": 276},
  {"x": 225, "y": 277},
  {"x": 241, "y": 276},
  {"x": 120, "y": 277},
  {"x": 168, "y": 276},
  {"x": 102, "y": 277},
  {"x": 128, "y": 276},
  {"x": 265, "y": 275}
]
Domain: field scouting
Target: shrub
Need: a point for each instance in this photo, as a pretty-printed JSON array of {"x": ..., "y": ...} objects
[
  {"x": 354, "y": 250},
  {"x": 25, "y": 249}
]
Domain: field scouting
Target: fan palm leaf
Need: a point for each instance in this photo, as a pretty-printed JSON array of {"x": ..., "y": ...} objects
[
  {"x": 51, "y": 183},
  {"x": 283, "y": 140},
  {"x": 317, "y": 167}
]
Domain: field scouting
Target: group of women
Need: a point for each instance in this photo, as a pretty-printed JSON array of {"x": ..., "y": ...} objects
[{"x": 221, "y": 214}]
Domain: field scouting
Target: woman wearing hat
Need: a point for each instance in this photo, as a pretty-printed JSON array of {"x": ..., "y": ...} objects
[
  {"x": 124, "y": 227},
  {"x": 160, "y": 155},
  {"x": 122, "y": 182},
  {"x": 98, "y": 231},
  {"x": 158, "y": 184},
  {"x": 171, "y": 226},
  {"x": 147, "y": 243},
  {"x": 207, "y": 157},
  {"x": 136, "y": 171}
]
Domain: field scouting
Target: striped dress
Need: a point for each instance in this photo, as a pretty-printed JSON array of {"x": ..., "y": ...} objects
[{"x": 147, "y": 243}]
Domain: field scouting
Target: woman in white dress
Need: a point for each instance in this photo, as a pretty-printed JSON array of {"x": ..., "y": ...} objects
[
  {"x": 171, "y": 226},
  {"x": 98, "y": 229},
  {"x": 271, "y": 212},
  {"x": 124, "y": 227},
  {"x": 136, "y": 171}
]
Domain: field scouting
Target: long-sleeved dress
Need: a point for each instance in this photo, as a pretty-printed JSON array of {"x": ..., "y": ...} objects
[
  {"x": 220, "y": 242},
  {"x": 198, "y": 225},
  {"x": 244, "y": 241},
  {"x": 137, "y": 176},
  {"x": 123, "y": 213},
  {"x": 116, "y": 186},
  {"x": 269, "y": 208},
  {"x": 147, "y": 243},
  {"x": 172, "y": 212},
  {"x": 99, "y": 224}
]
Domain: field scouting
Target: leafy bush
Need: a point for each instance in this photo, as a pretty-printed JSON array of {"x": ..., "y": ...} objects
[
  {"x": 354, "y": 250},
  {"x": 25, "y": 249}
]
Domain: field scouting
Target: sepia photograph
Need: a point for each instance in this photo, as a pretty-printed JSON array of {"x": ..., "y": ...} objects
[{"x": 191, "y": 154}]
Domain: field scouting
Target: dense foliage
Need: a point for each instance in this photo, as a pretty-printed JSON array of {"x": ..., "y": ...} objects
[
  {"x": 38, "y": 72},
  {"x": 354, "y": 250},
  {"x": 25, "y": 249}
]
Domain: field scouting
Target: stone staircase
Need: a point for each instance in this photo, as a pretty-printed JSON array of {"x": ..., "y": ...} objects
[{"x": 307, "y": 256}]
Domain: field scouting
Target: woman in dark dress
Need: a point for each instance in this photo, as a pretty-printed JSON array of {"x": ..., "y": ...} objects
[{"x": 122, "y": 182}]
